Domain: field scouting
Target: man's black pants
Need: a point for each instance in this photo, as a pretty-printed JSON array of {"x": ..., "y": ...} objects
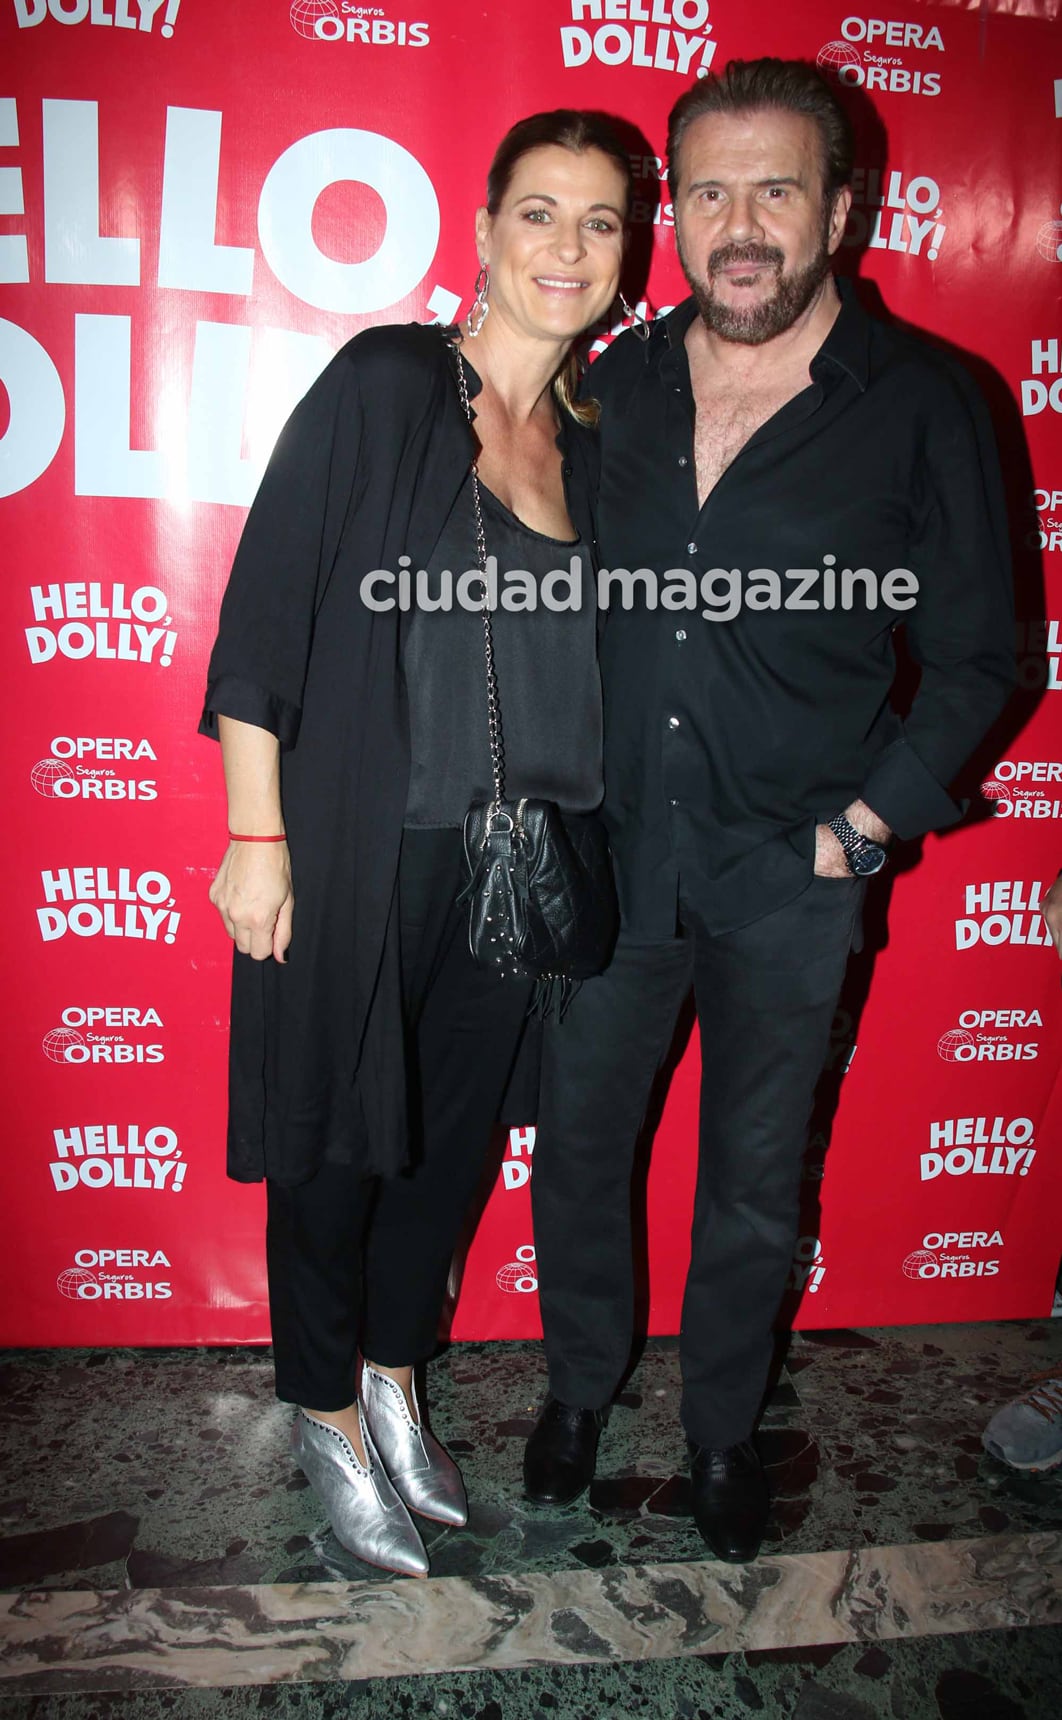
[
  {"x": 765, "y": 997},
  {"x": 463, "y": 1027}
]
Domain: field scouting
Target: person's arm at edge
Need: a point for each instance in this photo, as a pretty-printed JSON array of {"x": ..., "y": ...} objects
[{"x": 252, "y": 889}]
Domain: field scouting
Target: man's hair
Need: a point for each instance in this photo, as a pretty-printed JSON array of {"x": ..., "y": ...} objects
[{"x": 745, "y": 86}]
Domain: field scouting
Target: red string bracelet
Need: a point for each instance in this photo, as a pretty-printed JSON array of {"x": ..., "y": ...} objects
[{"x": 234, "y": 838}]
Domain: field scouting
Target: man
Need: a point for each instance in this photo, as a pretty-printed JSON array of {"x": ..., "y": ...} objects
[{"x": 755, "y": 771}]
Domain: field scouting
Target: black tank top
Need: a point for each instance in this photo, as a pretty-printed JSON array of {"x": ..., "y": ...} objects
[{"x": 546, "y": 662}]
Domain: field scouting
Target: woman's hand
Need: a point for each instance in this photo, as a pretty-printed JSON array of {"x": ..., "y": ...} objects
[
  {"x": 252, "y": 893},
  {"x": 252, "y": 889}
]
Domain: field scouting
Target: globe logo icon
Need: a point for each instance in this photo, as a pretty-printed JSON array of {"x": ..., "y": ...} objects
[
  {"x": 992, "y": 790},
  {"x": 305, "y": 13},
  {"x": 517, "y": 1278},
  {"x": 59, "y": 1041},
  {"x": 835, "y": 56},
  {"x": 73, "y": 1281},
  {"x": 1049, "y": 242},
  {"x": 915, "y": 1265},
  {"x": 46, "y": 773},
  {"x": 950, "y": 1044}
]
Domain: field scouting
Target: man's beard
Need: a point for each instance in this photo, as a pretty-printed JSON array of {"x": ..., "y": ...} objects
[{"x": 760, "y": 322}]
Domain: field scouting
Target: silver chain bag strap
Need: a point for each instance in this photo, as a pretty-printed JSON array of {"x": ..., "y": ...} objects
[{"x": 542, "y": 900}]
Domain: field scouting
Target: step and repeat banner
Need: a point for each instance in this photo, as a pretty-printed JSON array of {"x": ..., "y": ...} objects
[{"x": 199, "y": 203}]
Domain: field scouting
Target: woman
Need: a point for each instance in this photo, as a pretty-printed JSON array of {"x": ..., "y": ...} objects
[{"x": 364, "y": 1037}]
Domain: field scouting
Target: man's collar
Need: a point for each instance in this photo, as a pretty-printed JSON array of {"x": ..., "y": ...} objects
[
  {"x": 848, "y": 342},
  {"x": 847, "y": 345}
]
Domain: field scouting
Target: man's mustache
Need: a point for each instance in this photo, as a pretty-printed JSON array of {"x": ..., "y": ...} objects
[{"x": 727, "y": 255}]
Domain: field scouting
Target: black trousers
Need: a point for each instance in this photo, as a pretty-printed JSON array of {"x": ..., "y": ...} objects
[
  {"x": 765, "y": 997},
  {"x": 362, "y": 1262}
]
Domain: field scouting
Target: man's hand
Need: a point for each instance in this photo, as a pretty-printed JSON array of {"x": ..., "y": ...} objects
[
  {"x": 1051, "y": 908},
  {"x": 830, "y": 861},
  {"x": 252, "y": 893}
]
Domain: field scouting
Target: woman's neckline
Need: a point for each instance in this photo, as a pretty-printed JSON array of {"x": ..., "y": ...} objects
[{"x": 542, "y": 537}]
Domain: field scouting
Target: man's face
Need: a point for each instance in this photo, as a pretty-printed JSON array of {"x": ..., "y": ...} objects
[{"x": 754, "y": 227}]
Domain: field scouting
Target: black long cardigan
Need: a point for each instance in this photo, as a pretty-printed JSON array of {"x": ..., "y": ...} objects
[{"x": 366, "y": 469}]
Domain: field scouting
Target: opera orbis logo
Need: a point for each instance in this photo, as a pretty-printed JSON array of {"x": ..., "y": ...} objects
[
  {"x": 122, "y": 1035},
  {"x": 992, "y": 1036},
  {"x": 519, "y": 1277},
  {"x": 1025, "y": 789},
  {"x": 116, "y": 1275},
  {"x": 367, "y": 26},
  {"x": 890, "y": 55},
  {"x": 954, "y": 1254},
  {"x": 649, "y": 35},
  {"x": 1047, "y": 509},
  {"x": 1049, "y": 241},
  {"x": 96, "y": 768}
]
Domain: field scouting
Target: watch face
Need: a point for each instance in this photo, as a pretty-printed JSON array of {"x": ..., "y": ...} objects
[{"x": 868, "y": 858}]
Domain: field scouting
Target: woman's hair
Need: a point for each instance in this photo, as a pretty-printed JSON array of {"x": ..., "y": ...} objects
[{"x": 578, "y": 131}]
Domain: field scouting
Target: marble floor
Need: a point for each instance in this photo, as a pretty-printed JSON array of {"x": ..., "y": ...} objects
[{"x": 160, "y": 1555}]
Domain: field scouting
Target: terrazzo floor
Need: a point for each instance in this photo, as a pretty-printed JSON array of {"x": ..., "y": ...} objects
[{"x": 162, "y": 1556}]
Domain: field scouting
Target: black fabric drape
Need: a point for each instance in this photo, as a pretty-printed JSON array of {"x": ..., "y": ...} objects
[{"x": 366, "y": 470}]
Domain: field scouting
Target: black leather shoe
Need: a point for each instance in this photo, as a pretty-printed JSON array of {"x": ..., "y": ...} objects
[
  {"x": 730, "y": 1500},
  {"x": 560, "y": 1455}
]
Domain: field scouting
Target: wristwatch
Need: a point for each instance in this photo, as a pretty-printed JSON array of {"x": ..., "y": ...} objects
[{"x": 863, "y": 856}]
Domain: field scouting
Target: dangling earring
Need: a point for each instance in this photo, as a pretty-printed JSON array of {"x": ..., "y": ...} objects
[
  {"x": 480, "y": 311},
  {"x": 639, "y": 324}
]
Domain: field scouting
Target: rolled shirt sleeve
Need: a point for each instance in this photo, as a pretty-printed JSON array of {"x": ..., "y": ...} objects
[{"x": 258, "y": 665}]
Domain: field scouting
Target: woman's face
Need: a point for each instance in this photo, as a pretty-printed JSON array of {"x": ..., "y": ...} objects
[{"x": 555, "y": 245}]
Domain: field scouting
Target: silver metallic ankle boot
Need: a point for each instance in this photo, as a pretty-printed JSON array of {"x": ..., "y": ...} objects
[
  {"x": 363, "y": 1508},
  {"x": 424, "y": 1475}
]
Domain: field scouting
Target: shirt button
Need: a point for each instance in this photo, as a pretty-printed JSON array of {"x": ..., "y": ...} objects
[
  {"x": 683, "y": 460},
  {"x": 672, "y": 722},
  {"x": 672, "y": 802},
  {"x": 680, "y": 634},
  {"x": 691, "y": 549}
]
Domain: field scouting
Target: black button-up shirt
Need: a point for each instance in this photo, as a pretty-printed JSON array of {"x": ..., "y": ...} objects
[{"x": 727, "y": 741}]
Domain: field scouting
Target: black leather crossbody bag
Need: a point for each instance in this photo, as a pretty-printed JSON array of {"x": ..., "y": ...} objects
[{"x": 542, "y": 900}]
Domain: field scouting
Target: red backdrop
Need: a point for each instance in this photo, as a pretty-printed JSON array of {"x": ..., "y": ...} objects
[{"x": 198, "y": 204}]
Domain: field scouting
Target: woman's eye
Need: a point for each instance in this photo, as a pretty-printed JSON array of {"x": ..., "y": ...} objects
[
  {"x": 539, "y": 215},
  {"x": 600, "y": 225}
]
